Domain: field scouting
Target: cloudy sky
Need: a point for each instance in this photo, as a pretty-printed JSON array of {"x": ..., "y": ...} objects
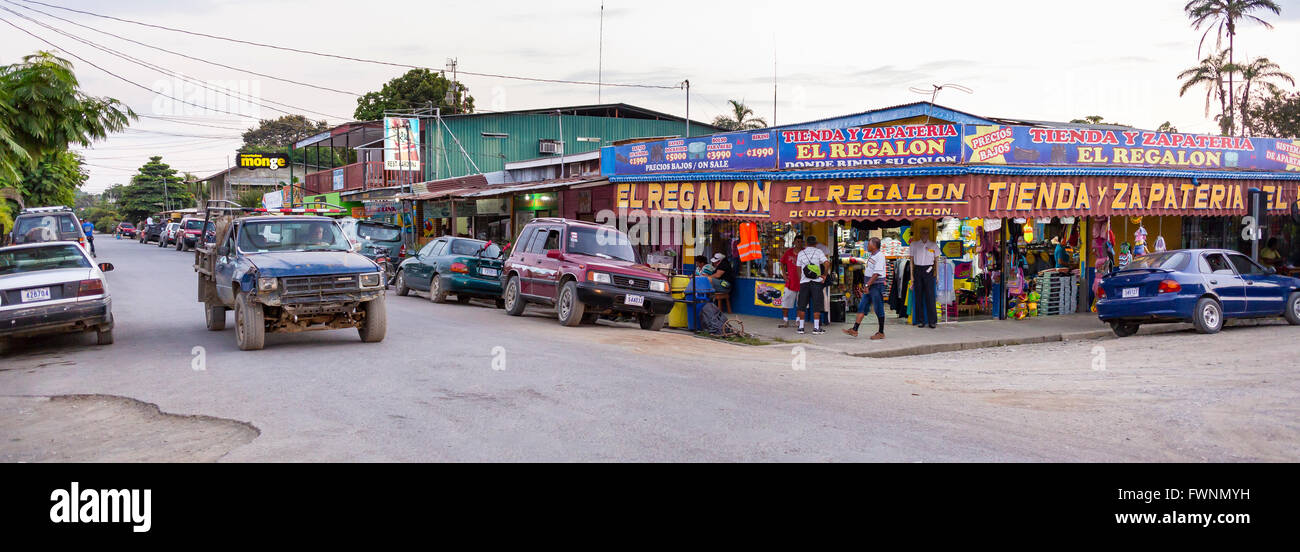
[{"x": 1029, "y": 59}]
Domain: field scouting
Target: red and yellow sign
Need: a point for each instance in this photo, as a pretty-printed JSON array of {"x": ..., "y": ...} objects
[{"x": 710, "y": 199}]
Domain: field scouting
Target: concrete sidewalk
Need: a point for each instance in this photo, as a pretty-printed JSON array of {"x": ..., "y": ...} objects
[{"x": 902, "y": 339}]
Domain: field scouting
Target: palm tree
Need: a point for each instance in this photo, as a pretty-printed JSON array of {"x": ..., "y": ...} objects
[
  {"x": 1260, "y": 70},
  {"x": 1222, "y": 16},
  {"x": 741, "y": 118},
  {"x": 1209, "y": 73}
]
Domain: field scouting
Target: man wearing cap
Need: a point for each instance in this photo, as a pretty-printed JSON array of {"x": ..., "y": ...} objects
[
  {"x": 722, "y": 270},
  {"x": 924, "y": 252},
  {"x": 813, "y": 266}
]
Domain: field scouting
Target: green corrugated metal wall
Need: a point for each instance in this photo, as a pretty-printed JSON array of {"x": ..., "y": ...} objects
[{"x": 525, "y": 131}]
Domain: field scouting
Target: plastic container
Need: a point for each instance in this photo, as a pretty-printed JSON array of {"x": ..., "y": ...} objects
[
  {"x": 695, "y": 299},
  {"x": 677, "y": 318}
]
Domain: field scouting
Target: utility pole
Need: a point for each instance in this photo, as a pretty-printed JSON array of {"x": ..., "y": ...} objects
[
  {"x": 453, "y": 98},
  {"x": 600, "y": 54},
  {"x": 687, "y": 85}
]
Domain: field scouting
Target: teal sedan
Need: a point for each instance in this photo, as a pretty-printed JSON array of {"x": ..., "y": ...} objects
[{"x": 463, "y": 267}]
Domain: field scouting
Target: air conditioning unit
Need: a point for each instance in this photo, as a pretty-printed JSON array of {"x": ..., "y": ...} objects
[{"x": 550, "y": 146}]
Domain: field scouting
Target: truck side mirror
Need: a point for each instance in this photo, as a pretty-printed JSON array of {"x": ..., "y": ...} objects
[{"x": 554, "y": 254}]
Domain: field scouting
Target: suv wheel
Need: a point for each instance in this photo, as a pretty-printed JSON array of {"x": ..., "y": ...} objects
[
  {"x": 436, "y": 293},
  {"x": 1208, "y": 316},
  {"x": 569, "y": 308},
  {"x": 651, "y": 322},
  {"x": 1292, "y": 313},
  {"x": 514, "y": 300},
  {"x": 250, "y": 324},
  {"x": 400, "y": 280}
]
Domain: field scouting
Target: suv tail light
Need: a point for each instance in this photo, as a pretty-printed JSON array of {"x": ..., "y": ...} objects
[
  {"x": 93, "y": 286},
  {"x": 459, "y": 267},
  {"x": 401, "y": 253},
  {"x": 1170, "y": 286}
]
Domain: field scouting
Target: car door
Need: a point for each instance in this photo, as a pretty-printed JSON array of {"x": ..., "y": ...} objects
[
  {"x": 530, "y": 242},
  {"x": 224, "y": 268},
  {"x": 1223, "y": 280},
  {"x": 423, "y": 273},
  {"x": 547, "y": 270},
  {"x": 1264, "y": 294}
]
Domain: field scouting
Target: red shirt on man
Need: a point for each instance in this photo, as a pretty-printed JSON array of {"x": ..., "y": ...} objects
[{"x": 790, "y": 265}]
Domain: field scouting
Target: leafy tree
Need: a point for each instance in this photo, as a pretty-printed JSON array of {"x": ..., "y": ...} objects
[
  {"x": 283, "y": 131},
  {"x": 1222, "y": 17},
  {"x": 54, "y": 180},
  {"x": 1167, "y": 127},
  {"x": 1209, "y": 74},
  {"x": 154, "y": 187},
  {"x": 416, "y": 89},
  {"x": 1277, "y": 115},
  {"x": 1263, "y": 71},
  {"x": 740, "y": 118},
  {"x": 1095, "y": 120},
  {"x": 251, "y": 197}
]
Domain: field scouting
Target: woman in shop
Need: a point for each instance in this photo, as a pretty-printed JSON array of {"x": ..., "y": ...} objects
[{"x": 1269, "y": 254}]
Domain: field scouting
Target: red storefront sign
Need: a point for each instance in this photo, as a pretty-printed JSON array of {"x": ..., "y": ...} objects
[{"x": 985, "y": 196}]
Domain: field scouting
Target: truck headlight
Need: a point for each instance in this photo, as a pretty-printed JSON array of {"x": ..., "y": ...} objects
[
  {"x": 370, "y": 280},
  {"x": 598, "y": 277},
  {"x": 266, "y": 284},
  {"x": 658, "y": 286}
]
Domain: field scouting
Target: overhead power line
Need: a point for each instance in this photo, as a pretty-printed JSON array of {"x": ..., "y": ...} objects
[
  {"x": 350, "y": 58},
  {"x": 186, "y": 56}
]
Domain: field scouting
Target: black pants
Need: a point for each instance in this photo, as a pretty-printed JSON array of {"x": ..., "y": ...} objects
[
  {"x": 810, "y": 299},
  {"x": 923, "y": 311},
  {"x": 91, "y": 241}
]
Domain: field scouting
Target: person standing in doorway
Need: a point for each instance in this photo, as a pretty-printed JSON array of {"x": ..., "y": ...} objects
[
  {"x": 923, "y": 254},
  {"x": 813, "y": 266},
  {"x": 790, "y": 267},
  {"x": 874, "y": 296}
]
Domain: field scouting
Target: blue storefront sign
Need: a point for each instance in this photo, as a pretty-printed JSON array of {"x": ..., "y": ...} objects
[
  {"x": 734, "y": 151},
  {"x": 1019, "y": 145},
  {"x": 852, "y": 148}
]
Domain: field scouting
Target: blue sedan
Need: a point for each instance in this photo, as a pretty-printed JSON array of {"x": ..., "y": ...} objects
[{"x": 1201, "y": 286}]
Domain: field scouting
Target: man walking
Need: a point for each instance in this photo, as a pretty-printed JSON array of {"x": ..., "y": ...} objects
[
  {"x": 923, "y": 254},
  {"x": 790, "y": 267},
  {"x": 88, "y": 228},
  {"x": 875, "y": 293},
  {"x": 813, "y": 266}
]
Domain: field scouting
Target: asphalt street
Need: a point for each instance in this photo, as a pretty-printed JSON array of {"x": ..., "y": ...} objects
[{"x": 468, "y": 383}]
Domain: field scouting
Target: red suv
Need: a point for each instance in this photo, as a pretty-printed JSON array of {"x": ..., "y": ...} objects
[{"x": 584, "y": 270}]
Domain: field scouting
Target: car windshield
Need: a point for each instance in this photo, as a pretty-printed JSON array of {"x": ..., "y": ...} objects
[
  {"x": 1169, "y": 260},
  {"x": 32, "y": 259},
  {"x": 292, "y": 235},
  {"x": 471, "y": 247},
  {"x": 376, "y": 232},
  {"x": 604, "y": 242}
]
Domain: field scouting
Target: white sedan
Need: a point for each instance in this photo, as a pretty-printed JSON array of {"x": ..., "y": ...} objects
[{"x": 53, "y": 287}]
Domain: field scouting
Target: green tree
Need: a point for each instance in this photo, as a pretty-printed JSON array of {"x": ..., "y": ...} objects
[
  {"x": 1277, "y": 115},
  {"x": 418, "y": 88},
  {"x": 283, "y": 131},
  {"x": 54, "y": 180},
  {"x": 1095, "y": 120},
  {"x": 154, "y": 188},
  {"x": 1209, "y": 74},
  {"x": 1167, "y": 127},
  {"x": 1259, "y": 70},
  {"x": 1222, "y": 17},
  {"x": 251, "y": 197},
  {"x": 740, "y": 118}
]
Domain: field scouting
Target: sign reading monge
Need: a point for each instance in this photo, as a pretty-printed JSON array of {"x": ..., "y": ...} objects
[{"x": 271, "y": 161}]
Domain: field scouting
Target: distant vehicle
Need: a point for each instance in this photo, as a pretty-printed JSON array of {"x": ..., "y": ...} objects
[
  {"x": 151, "y": 232},
  {"x": 46, "y": 224},
  {"x": 378, "y": 240},
  {"x": 50, "y": 288},
  {"x": 286, "y": 273},
  {"x": 167, "y": 236},
  {"x": 448, "y": 265},
  {"x": 585, "y": 270},
  {"x": 1201, "y": 286},
  {"x": 191, "y": 231},
  {"x": 125, "y": 230}
]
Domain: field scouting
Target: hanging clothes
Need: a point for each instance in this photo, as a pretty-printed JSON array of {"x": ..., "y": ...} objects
[{"x": 749, "y": 247}]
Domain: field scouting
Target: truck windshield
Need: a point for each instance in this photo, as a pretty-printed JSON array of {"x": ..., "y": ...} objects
[
  {"x": 292, "y": 235},
  {"x": 604, "y": 242}
]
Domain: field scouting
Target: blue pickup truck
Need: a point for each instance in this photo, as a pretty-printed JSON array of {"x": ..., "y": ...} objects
[{"x": 288, "y": 272}]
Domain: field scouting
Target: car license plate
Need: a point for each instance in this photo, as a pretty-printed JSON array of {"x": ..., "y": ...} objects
[
  {"x": 38, "y": 294},
  {"x": 636, "y": 300},
  {"x": 489, "y": 272},
  {"x": 1129, "y": 292}
]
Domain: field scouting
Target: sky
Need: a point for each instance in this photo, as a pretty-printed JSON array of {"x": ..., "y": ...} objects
[{"x": 1041, "y": 60}]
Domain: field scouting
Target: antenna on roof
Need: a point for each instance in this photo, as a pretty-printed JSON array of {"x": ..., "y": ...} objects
[{"x": 933, "y": 91}]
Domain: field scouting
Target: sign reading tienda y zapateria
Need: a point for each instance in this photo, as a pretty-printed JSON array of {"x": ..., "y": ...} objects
[
  {"x": 851, "y": 148},
  {"x": 1018, "y": 145}
]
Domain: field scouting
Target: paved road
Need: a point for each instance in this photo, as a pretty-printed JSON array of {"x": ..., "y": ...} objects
[{"x": 431, "y": 390}]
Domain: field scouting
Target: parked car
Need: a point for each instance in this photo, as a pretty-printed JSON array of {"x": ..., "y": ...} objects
[
  {"x": 150, "y": 232},
  {"x": 125, "y": 230},
  {"x": 191, "y": 230},
  {"x": 449, "y": 265},
  {"x": 1201, "y": 286},
  {"x": 286, "y": 274},
  {"x": 378, "y": 241},
  {"x": 53, "y": 287},
  {"x": 46, "y": 224},
  {"x": 167, "y": 236},
  {"x": 584, "y": 270}
]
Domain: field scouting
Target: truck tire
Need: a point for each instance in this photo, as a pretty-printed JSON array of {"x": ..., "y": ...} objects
[
  {"x": 1208, "y": 316},
  {"x": 400, "y": 279},
  {"x": 1292, "y": 313},
  {"x": 651, "y": 322},
  {"x": 568, "y": 307},
  {"x": 514, "y": 300},
  {"x": 104, "y": 336},
  {"x": 375, "y": 325},
  {"x": 250, "y": 324},
  {"x": 436, "y": 293},
  {"x": 215, "y": 316}
]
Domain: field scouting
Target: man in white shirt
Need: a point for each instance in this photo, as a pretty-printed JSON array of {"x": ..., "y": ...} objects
[
  {"x": 874, "y": 294},
  {"x": 923, "y": 252},
  {"x": 813, "y": 265}
]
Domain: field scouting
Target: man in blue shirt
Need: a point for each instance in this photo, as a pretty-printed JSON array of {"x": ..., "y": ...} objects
[{"x": 89, "y": 230}]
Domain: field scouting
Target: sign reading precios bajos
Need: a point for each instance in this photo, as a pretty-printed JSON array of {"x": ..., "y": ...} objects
[{"x": 719, "y": 152}]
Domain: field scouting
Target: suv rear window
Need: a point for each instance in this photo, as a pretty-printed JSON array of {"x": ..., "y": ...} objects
[
  {"x": 61, "y": 223},
  {"x": 376, "y": 232}
]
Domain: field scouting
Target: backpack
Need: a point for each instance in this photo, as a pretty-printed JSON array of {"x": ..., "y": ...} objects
[
  {"x": 812, "y": 271},
  {"x": 712, "y": 320}
]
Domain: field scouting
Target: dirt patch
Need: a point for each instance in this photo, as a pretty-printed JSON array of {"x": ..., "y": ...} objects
[{"x": 103, "y": 428}]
